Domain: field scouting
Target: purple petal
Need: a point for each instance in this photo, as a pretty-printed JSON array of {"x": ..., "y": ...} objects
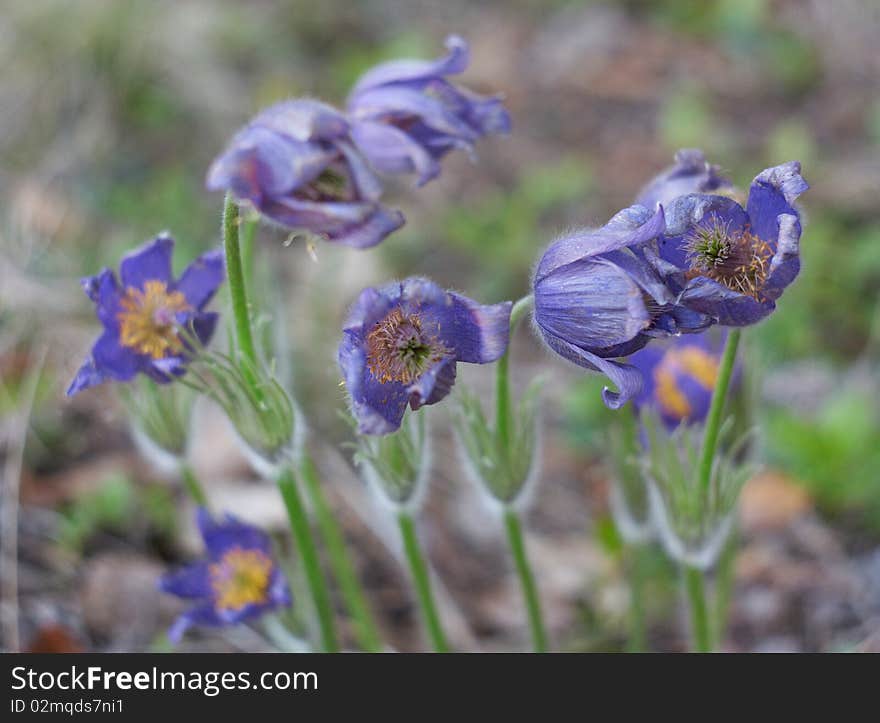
[
  {"x": 219, "y": 536},
  {"x": 390, "y": 150},
  {"x": 191, "y": 582},
  {"x": 201, "y": 278},
  {"x": 87, "y": 376},
  {"x": 627, "y": 378},
  {"x": 478, "y": 333},
  {"x": 204, "y": 614},
  {"x": 367, "y": 186},
  {"x": 150, "y": 262},
  {"x": 378, "y": 408},
  {"x": 591, "y": 303},
  {"x": 773, "y": 193},
  {"x": 303, "y": 119},
  {"x": 415, "y": 71},
  {"x": 691, "y": 173},
  {"x": 631, "y": 226},
  {"x": 728, "y": 307},
  {"x": 261, "y": 164},
  {"x": 115, "y": 361},
  {"x": 434, "y": 384},
  {"x": 786, "y": 263}
]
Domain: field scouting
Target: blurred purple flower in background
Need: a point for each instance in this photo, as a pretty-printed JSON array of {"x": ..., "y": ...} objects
[
  {"x": 406, "y": 115},
  {"x": 143, "y": 315},
  {"x": 729, "y": 262},
  {"x": 596, "y": 298},
  {"x": 690, "y": 173},
  {"x": 296, "y": 163},
  {"x": 680, "y": 376},
  {"x": 239, "y": 580},
  {"x": 401, "y": 343}
]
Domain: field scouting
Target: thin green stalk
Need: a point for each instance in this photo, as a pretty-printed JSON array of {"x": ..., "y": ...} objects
[
  {"x": 638, "y": 638},
  {"x": 244, "y": 337},
  {"x": 193, "y": 486},
  {"x": 502, "y": 381},
  {"x": 713, "y": 420},
  {"x": 422, "y": 582},
  {"x": 695, "y": 584},
  {"x": 526, "y": 579},
  {"x": 248, "y": 232},
  {"x": 308, "y": 553},
  {"x": 364, "y": 625}
]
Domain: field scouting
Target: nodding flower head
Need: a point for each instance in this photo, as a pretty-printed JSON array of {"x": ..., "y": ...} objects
[
  {"x": 296, "y": 163},
  {"x": 149, "y": 317},
  {"x": 239, "y": 580},
  {"x": 401, "y": 343},
  {"x": 680, "y": 376},
  {"x": 598, "y": 298},
  {"x": 729, "y": 262},
  {"x": 406, "y": 115}
]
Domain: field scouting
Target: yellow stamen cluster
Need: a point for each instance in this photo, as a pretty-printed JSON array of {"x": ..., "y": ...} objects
[
  {"x": 698, "y": 364},
  {"x": 736, "y": 259},
  {"x": 240, "y": 577},
  {"x": 399, "y": 350},
  {"x": 147, "y": 321}
]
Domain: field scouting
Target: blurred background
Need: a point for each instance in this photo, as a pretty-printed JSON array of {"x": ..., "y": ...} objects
[{"x": 110, "y": 115}]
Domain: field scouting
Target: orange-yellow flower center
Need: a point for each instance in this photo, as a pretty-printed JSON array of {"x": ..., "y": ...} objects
[
  {"x": 691, "y": 361},
  {"x": 400, "y": 350},
  {"x": 148, "y": 320},
  {"x": 240, "y": 577}
]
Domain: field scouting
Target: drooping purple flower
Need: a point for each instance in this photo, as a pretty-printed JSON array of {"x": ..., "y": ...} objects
[
  {"x": 240, "y": 579},
  {"x": 729, "y": 262},
  {"x": 296, "y": 163},
  {"x": 597, "y": 299},
  {"x": 144, "y": 312},
  {"x": 406, "y": 115},
  {"x": 401, "y": 343},
  {"x": 680, "y": 376},
  {"x": 690, "y": 173}
]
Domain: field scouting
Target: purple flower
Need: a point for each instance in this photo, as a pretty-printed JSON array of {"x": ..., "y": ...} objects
[
  {"x": 597, "y": 298},
  {"x": 144, "y": 312},
  {"x": 729, "y": 262},
  {"x": 679, "y": 377},
  {"x": 296, "y": 163},
  {"x": 401, "y": 343},
  {"x": 239, "y": 581},
  {"x": 690, "y": 173},
  {"x": 406, "y": 115}
]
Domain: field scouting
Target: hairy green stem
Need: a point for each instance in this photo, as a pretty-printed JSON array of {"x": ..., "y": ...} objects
[
  {"x": 527, "y": 580},
  {"x": 244, "y": 336},
  {"x": 695, "y": 584},
  {"x": 502, "y": 381},
  {"x": 343, "y": 569},
  {"x": 713, "y": 420},
  {"x": 192, "y": 485},
  {"x": 308, "y": 553},
  {"x": 422, "y": 581},
  {"x": 638, "y": 637}
]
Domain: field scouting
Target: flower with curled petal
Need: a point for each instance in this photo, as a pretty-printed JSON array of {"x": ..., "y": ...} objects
[{"x": 401, "y": 344}]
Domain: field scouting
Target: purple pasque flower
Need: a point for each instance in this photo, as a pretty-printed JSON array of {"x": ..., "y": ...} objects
[
  {"x": 729, "y": 262},
  {"x": 680, "y": 376},
  {"x": 690, "y": 173},
  {"x": 597, "y": 298},
  {"x": 143, "y": 313},
  {"x": 239, "y": 580},
  {"x": 401, "y": 342},
  {"x": 406, "y": 115},
  {"x": 296, "y": 163}
]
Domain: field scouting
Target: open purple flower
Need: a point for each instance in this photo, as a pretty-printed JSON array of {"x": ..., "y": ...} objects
[
  {"x": 239, "y": 580},
  {"x": 680, "y": 376},
  {"x": 690, "y": 173},
  {"x": 729, "y": 262},
  {"x": 401, "y": 343},
  {"x": 406, "y": 115},
  {"x": 597, "y": 299},
  {"x": 144, "y": 312},
  {"x": 296, "y": 163}
]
